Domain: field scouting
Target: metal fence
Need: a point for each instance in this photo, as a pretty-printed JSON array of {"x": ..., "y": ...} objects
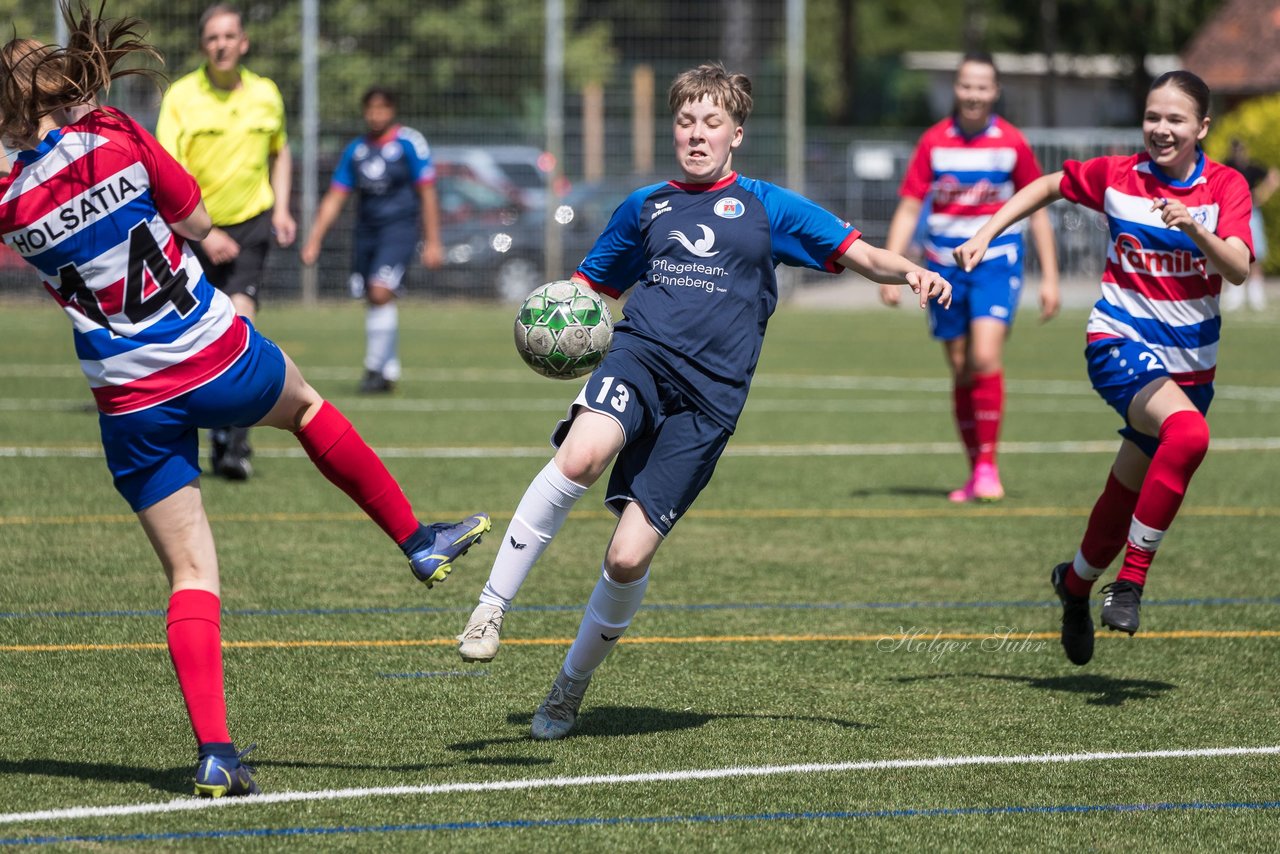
[{"x": 474, "y": 75}]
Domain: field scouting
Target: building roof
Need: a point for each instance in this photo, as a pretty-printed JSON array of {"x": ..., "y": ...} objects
[{"x": 1237, "y": 51}]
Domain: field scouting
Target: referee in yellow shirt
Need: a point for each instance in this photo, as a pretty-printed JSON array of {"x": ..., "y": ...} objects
[{"x": 226, "y": 125}]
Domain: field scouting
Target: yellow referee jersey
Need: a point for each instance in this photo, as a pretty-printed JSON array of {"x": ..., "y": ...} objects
[{"x": 225, "y": 139}]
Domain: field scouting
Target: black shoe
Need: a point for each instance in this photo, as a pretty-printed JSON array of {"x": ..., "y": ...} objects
[
  {"x": 1120, "y": 608},
  {"x": 217, "y": 448},
  {"x": 234, "y": 462},
  {"x": 1077, "y": 624},
  {"x": 375, "y": 383}
]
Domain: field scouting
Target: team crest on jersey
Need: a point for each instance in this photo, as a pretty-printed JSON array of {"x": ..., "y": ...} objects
[
  {"x": 730, "y": 208},
  {"x": 702, "y": 246},
  {"x": 373, "y": 168},
  {"x": 391, "y": 151}
]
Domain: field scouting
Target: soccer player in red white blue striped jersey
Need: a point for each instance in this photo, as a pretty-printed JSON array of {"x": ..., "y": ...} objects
[
  {"x": 966, "y": 166},
  {"x": 1179, "y": 225},
  {"x": 104, "y": 214}
]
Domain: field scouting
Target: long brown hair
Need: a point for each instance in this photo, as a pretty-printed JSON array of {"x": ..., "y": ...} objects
[{"x": 38, "y": 79}]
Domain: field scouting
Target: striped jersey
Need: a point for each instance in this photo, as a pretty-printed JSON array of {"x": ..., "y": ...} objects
[
  {"x": 698, "y": 262},
  {"x": 88, "y": 208},
  {"x": 967, "y": 179},
  {"x": 1157, "y": 286}
]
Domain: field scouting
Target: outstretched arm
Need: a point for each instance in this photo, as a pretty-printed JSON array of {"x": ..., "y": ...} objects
[
  {"x": 890, "y": 268},
  {"x": 901, "y": 227},
  {"x": 1031, "y": 198},
  {"x": 1047, "y": 252},
  {"x": 330, "y": 206}
]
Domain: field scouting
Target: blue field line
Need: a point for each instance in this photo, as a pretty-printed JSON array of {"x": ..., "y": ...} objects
[
  {"x": 712, "y": 606},
  {"x": 523, "y": 824},
  {"x": 435, "y": 674}
]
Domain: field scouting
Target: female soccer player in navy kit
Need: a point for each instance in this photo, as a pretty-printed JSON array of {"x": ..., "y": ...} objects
[
  {"x": 104, "y": 214},
  {"x": 1179, "y": 225},
  {"x": 391, "y": 170},
  {"x": 701, "y": 252},
  {"x": 967, "y": 165}
]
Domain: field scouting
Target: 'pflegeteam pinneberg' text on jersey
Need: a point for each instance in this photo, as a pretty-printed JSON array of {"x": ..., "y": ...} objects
[
  {"x": 386, "y": 172},
  {"x": 702, "y": 260},
  {"x": 967, "y": 179},
  {"x": 1157, "y": 286},
  {"x": 88, "y": 208}
]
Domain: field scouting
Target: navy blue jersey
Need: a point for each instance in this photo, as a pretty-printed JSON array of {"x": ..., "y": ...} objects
[
  {"x": 386, "y": 172},
  {"x": 702, "y": 260}
]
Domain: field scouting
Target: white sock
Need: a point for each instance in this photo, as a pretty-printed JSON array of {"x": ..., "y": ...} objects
[
  {"x": 1255, "y": 293},
  {"x": 382, "y": 338},
  {"x": 542, "y": 510},
  {"x": 1084, "y": 570},
  {"x": 610, "y": 610}
]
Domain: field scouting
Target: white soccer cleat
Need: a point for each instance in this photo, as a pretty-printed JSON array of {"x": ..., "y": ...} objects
[
  {"x": 559, "y": 712},
  {"x": 479, "y": 640}
]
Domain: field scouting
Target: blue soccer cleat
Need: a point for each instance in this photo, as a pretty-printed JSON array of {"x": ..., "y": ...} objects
[
  {"x": 217, "y": 776},
  {"x": 433, "y": 564}
]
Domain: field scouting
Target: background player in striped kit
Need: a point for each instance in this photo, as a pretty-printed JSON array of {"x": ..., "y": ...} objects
[
  {"x": 697, "y": 256},
  {"x": 105, "y": 215},
  {"x": 390, "y": 169},
  {"x": 1179, "y": 225},
  {"x": 966, "y": 166}
]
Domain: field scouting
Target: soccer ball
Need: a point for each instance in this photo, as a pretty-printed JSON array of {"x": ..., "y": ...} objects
[{"x": 563, "y": 330}]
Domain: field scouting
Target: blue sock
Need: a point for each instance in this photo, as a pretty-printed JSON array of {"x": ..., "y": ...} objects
[
  {"x": 220, "y": 749},
  {"x": 421, "y": 540}
]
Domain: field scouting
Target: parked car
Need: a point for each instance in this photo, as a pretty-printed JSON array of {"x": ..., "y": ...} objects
[
  {"x": 524, "y": 169},
  {"x": 493, "y": 244}
]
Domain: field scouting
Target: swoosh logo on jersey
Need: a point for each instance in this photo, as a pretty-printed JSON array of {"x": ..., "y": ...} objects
[{"x": 702, "y": 247}]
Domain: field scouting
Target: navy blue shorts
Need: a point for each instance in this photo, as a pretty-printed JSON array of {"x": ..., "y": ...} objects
[
  {"x": 152, "y": 453},
  {"x": 382, "y": 254},
  {"x": 1119, "y": 368},
  {"x": 671, "y": 446},
  {"x": 991, "y": 289}
]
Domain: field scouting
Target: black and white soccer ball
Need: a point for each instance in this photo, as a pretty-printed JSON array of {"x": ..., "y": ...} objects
[{"x": 563, "y": 330}]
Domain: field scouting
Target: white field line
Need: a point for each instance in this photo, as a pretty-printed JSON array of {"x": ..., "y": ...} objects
[
  {"x": 193, "y": 804},
  {"x": 885, "y": 449},
  {"x": 934, "y": 403},
  {"x": 762, "y": 380}
]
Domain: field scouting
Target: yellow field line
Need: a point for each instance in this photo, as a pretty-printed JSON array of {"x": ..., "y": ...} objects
[
  {"x": 1005, "y": 512},
  {"x": 703, "y": 639}
]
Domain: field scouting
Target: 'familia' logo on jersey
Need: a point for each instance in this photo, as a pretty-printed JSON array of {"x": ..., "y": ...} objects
[
  {"x": 80, "y": 211},
  {"x": 1158, "y": 262},
  {"x": 947, "y": 190},
  {"x": 701, "y": 247}
]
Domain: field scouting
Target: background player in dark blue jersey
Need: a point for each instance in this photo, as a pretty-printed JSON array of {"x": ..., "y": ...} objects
[
  {"x": 701, "y": 252},
  {"x": 391, "y": 171}
]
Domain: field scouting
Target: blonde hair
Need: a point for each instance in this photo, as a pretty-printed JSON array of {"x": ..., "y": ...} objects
[
  {"x": 732, "y": 92},
  {"x": 38, "y": 79}
]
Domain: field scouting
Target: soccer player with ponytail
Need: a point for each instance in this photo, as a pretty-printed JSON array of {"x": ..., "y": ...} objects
[
  {"x": 106, "y": 217},
  {"x": 1179, "y": 225}
]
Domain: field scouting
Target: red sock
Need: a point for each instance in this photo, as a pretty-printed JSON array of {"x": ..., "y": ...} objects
[
  {"x": 195, "y": 645},
  {"x": 1106, "y": 532},
  {"x": 1184, "y": 439},
  {"x": 988, "y": 408},
  {"x": 352, "y": 466},
  {"x": 962, "y": 403}
]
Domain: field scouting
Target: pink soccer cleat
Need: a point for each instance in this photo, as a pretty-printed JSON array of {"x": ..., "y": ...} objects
[
  {"x": 986, "y": 483},
  {"x": 962, "y": 495}
]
